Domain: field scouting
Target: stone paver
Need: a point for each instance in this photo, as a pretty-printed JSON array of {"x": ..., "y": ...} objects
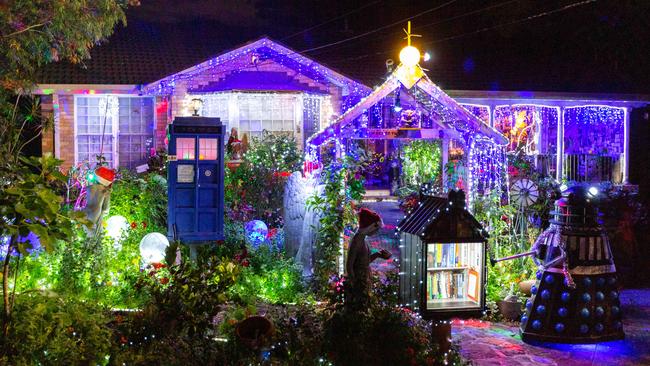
[{"x": 487, "y": 344}]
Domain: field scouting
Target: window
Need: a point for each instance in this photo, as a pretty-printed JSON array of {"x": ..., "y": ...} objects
[
  {"x": 119, "y": 128},
  {"x": 273, "y": 113},
  {"x": 214, "y": 105},
  {"x": 136, "y": 131},
  {"x": 185, "y": 148},
  {"x": 94, "y": 119},
  {"x": 208, "y": 149}
]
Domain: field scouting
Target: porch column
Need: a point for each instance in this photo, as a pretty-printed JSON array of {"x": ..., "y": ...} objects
[
  {"x": 626, "y": 145},
  {"x": 445, "y": 159},
  {"x": 559, "y": 156}
]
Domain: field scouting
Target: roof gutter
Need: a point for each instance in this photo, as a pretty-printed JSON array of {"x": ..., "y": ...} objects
[{"x": 46, "y": 89}]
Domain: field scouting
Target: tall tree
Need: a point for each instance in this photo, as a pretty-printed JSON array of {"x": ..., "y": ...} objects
[
  {"x": 36, "y": 32},
  {"x": 32, "y": 34}
]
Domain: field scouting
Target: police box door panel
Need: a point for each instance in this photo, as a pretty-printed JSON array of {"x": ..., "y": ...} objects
[{"x": 208, "y": 189}]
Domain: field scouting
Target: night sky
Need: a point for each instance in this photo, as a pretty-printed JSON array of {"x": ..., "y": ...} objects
[{"x": 571, "y": 45}]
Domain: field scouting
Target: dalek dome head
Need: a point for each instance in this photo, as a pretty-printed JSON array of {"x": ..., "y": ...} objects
[{"x": 577, "y": 206}]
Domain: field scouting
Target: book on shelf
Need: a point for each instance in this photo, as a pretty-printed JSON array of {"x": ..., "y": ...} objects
[
  {"x": 453, "y": 255},
  {"x": 446, "y": 285}
]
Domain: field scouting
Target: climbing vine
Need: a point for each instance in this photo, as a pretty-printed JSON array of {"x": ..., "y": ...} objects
[{"x": 343, "y": 188}]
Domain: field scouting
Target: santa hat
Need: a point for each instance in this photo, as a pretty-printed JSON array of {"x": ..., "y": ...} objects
[
  {"x": 105, "y": 176},
  {"x": 368, "y": 217}
]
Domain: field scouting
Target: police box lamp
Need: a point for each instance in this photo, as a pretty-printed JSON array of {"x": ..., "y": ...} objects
[
  {"x": 442, "y": 259},
  {"x": 575, "y": 298},
  {"x": 195, "y": 176},
  {"x": 196, "y": 106}
]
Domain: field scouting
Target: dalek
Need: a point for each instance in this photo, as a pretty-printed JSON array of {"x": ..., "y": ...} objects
[{"x": 575, "y": 298}]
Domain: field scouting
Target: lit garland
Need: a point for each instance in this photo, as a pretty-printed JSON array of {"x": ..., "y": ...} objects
[
  {"x": 529, "y": 126},
  {"x": 486, "y": 168},
  {"x": 255, "y": 56},
  {"x": 603, "y": 127}
]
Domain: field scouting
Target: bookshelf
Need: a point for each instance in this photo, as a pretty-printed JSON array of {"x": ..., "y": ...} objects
[{"x": 453, "y": 275}]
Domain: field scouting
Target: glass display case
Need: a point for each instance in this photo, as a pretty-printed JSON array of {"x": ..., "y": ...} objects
[{"x": 453, "y": 275}]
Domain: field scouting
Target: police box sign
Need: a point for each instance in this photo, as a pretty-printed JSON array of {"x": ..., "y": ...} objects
[{"x": 197, "y": 129}]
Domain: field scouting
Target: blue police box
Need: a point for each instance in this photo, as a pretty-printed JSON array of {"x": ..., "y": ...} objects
[{"x": 195, "y": 179}]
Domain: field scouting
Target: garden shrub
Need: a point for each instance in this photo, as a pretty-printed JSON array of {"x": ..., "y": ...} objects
[
  {"x": 140, "y": 199},
  {"x": 270, "y": 277},
  {"x": 177, "y": 321},
  {"x": 254, "y": 190},
  {"x": 297, "y": 338},
  {"x": 53, "y": 330}
]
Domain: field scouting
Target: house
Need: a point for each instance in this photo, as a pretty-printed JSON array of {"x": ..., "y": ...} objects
[
  {"x": 260, "y": 86},
  {"x": 120, "y": 103}
]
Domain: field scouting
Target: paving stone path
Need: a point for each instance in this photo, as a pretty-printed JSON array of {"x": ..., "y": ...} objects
[{"x": 491, "y": 344}]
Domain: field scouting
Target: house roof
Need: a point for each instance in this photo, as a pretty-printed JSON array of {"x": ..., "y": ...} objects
[
  {"x": 411, "y": 78},
  {"x": 144, "y": 52},
  {"x": 438, "y": 218},
  {"x": 258, "y": 52}
]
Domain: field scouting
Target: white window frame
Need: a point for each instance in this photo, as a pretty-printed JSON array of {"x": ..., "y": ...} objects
[
  {"x": 115, "y": 123},
  {"x": 139, "y": 135}
]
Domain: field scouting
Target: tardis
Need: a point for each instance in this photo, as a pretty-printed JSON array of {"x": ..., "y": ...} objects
[
  {"x": 195, "y": 176},
  {"x": 442, "y": 259}
]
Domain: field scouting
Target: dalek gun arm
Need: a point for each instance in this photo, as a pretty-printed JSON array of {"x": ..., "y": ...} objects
[{"x": 536, "y": 252}]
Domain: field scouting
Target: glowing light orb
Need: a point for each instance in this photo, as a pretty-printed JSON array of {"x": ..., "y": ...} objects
[
  {"x": 593, "y": 191},
  {"x": 409, "y": 56},
  {"x": 256, "y": 232},
  {"x": 153, "y": 247},
  {"x": 426, "y": 57},
  {"x": 116, "y": 227}
]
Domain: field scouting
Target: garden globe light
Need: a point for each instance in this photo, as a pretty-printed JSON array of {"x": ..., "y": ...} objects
[
  {"x": 116, "y": 227},
  {"x": 256, "y": 232},
  {"x": 593, "y": 191},
  {"x": 153, "y": 247}
]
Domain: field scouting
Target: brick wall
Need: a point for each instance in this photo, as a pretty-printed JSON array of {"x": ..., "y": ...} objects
[
  {"x": 47, "y": 112},
  {"x": 65, "y": 109},
  {"x": 66, "y": 130}
]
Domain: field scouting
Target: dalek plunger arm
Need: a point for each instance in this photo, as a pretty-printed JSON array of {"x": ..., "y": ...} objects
[{"x": 536, "y": 253}]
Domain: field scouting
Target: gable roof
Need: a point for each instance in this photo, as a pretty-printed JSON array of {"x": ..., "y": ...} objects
[
  {"x": 145, "y": 52},
  {"x": 427, "y": 221},
  {"x": 263, "y": 49},
  {"x": 409, "y": 78}
]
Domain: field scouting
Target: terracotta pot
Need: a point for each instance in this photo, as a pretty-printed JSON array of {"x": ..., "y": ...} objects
[
  {"x": 233, "y": 164},
  {"x": 510, "y": 307},
  {"x": 524, "y": 286},
  {"x": 255, "y": 331}
]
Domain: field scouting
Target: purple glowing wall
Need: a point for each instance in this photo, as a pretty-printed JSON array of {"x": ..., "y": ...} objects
[{"x": 594, "y": 130}]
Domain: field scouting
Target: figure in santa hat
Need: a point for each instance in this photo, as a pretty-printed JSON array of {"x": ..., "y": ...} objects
[
  {"x": 359, "y": 259},
  {"x": 99, "y": 195}
]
